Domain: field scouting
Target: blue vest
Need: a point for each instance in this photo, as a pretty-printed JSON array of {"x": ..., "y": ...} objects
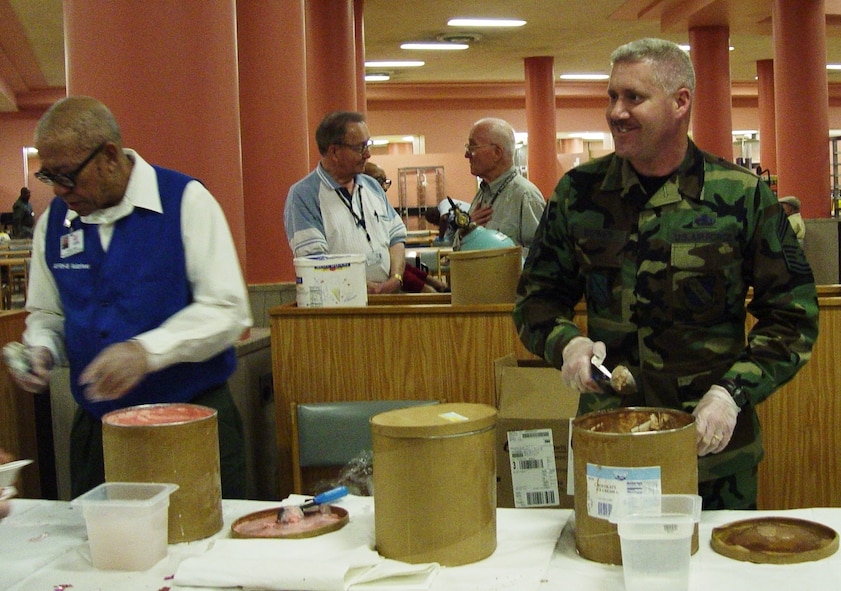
[{"x": 138, "y": 284}]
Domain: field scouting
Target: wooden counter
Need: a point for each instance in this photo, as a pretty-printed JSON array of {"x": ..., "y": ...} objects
[
  {"x": 406, "y": 346},
  {"x": 418, "y": 346}
]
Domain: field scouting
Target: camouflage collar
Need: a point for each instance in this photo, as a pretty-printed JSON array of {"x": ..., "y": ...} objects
[{"x": 688, "y": 179}]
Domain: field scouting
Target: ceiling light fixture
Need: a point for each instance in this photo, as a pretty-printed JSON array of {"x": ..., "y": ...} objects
[
  {"x": 686, "y": 47},
  {"x": 435, "y": 46},
  {"x": 833, "y": 66},
  {"x": 584, "y": 76},
  {"x": 395, "y": 64},
  {"x": 377, "y": 77},
  {"x": 485, "y": 22}
]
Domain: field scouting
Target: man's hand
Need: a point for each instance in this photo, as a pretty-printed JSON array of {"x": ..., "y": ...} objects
[
  {"x": 116, "y": 370},
  {"x": 40, "y": 362},
  {"x": 390, "y": 285},
  {"x": 482, "y": 215},
  {"x": 577, "y": 371},
  {"x": 715, "y": 420}
]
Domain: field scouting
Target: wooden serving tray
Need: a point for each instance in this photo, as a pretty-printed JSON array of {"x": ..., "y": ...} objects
[
  {"x": 263, "y": 524},
  {"x": 775, "y": 540}
]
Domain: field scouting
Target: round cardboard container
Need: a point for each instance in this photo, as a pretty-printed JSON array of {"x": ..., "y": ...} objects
[
  {"x": 176, "y": 443},
  {"x": 330, "y": 281},
  {"x": 435, "y": 483},
  {"x": 608, "y": 456},
  {"x": 485, "y": 276}
]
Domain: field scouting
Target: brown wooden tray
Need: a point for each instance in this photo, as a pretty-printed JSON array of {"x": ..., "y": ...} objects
[
  {"x": 263, "y": 524},
  {"x": 775, "y": 540}
]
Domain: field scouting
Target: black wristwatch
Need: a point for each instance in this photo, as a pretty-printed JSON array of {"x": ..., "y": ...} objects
[{"x": 735, "y": 391}]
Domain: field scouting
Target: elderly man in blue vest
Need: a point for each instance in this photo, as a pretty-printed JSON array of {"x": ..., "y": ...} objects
[{"x": 135, "y": 283}]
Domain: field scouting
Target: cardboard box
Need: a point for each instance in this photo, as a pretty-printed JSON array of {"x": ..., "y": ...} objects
[{"x": 531, "y": 396}]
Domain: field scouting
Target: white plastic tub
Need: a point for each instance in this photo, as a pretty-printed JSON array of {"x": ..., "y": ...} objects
[
  {"x": 126, "y": 523},
  {"x": 330, "y": 281}
]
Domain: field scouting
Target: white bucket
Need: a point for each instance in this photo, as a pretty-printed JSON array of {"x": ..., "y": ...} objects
[{"x": 330, "y": 280}]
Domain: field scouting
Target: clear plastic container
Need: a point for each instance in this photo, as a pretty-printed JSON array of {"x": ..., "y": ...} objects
[
  {"x": 127, "y": 523},
  {"x": 656, "y": 540}
]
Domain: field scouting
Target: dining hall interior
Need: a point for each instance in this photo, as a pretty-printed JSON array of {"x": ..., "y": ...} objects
[{"x": 231, "y": 91}]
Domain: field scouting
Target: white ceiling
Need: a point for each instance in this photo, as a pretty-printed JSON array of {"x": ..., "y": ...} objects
[{"x": 579, "y": 34}]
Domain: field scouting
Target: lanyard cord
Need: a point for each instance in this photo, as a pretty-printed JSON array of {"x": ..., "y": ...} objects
[
  {"x": 347, "y": 199},
  {"x": 504, "y": 184}
]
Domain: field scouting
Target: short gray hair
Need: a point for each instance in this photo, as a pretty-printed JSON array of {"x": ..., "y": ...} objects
[
  {"x": 674, "y": 67},
  {"x": 500, "y": 133}
]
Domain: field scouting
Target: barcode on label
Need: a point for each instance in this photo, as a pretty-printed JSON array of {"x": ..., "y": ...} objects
[
  {"x": 541, "y": 497},
  {"x": 604, "y": 509},
  {"x": 535, "y": 433},
  {"x": 531, "y": 464}
]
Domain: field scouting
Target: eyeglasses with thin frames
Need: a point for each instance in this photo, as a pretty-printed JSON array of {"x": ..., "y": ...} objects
[
  {"x": 384, "y": 182},
  {"x": 68, "y": 179},
  {"x": 358, "y": 148},
  {"x": 472, "y": 149}
]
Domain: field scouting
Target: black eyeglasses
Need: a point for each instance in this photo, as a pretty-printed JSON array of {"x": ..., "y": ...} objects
[
  {"x": 384, "y": 182},
  {"x": 68, "y": 179},
  {"x": 358, "y": 148}
]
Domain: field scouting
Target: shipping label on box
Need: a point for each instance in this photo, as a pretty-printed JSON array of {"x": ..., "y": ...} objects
[{"x": 532, "y": 398}]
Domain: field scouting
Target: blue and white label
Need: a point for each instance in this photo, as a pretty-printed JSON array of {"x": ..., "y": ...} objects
[{"x": 610, "y": 486}]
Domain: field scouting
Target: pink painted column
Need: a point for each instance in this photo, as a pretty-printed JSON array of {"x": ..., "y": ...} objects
[
  {"x": 331, "y": 61},
  {"x": 767, "y": 115},
  {"x": 712, "y": 121},
  {"x": 173, "y": 91},
  {"x": 359, "y": 36},
  {"x": 540, "y": 119},
  {"x": 802, "y": 103},
  {"x": 275, "y": 131}
]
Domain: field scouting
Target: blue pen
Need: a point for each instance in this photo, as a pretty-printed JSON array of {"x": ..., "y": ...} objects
[{"x": 326, "y": 497}]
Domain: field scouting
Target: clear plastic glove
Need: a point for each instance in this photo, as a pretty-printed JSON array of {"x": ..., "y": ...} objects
[
  {"x": 31, "y": 370},
  {"x": 115, "y": 371},
  {"x": 577, "y": 371},
  {"x": 715, "y": 420}
]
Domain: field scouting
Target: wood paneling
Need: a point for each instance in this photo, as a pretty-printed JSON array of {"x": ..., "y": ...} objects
[{"x": 17, "y": 412}]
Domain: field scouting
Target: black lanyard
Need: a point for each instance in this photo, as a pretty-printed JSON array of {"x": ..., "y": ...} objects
[
  {"x": 359, "y": 218},
  {"x": 504, "y": 184}
]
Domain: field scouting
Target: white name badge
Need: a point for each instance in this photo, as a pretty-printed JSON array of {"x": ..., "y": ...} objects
[{"x": 72, "y": 243}]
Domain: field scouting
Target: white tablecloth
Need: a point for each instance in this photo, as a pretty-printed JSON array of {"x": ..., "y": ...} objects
[{"x": 43, "y": 547}]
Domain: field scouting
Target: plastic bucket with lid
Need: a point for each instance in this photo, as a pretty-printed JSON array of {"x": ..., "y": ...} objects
[
  {"x": 435, "y": 483},
  {"x": 177, "y": 443},
  {"x": 330, "y": 281},
  {"x": 485, "y": 276},
  {"x": 624, "y": 455}
]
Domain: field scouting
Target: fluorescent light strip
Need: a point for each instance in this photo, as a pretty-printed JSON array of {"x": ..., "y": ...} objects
[
  {"x": 584, "y": 76},
  {"x": 435, "y": 46},
  {"x": 833, "y": 66},
  {"x": 377, "y": 77},
  {"x": 485, "y": 22},
  {"x": 685, "y": 47},
  {"x": 395, "y": 64}
]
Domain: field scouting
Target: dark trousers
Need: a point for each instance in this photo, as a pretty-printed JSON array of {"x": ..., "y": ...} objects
[
  {"x": 737, "y": 491},
  {"x": 87, "y": 464}
]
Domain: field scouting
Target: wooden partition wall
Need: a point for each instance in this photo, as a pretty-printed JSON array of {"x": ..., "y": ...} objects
[
  {"x": 399, "y": 348},
  {"x": 18, "y": 434}
]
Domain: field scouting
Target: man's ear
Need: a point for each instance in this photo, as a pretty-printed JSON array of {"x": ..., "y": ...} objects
[{"x": 683, "y": 101}]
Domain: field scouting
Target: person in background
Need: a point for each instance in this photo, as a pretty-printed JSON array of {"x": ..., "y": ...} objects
[
  {"x": 23, "y": 218},
  {"x": 440, "y": 216},
  {"x": 415, "y": 280},
  {"x": 663, "y": 241},
  {"x": 791, "y": 206},
  {"x": 505, "y": 201},
  {"x": 135, "y": 282},
  {"x": 336, "y": 209}
]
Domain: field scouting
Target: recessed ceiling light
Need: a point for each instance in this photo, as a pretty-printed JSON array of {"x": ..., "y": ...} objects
[
  {"x": 435, "y": 46},
  {"x": 485, "y": 22},
  {"x": 584, "y": 76},
  {"x": 394, "y": 64},
  {"x": 686, "y": 47},
  {"x": 377, "y": 77}
]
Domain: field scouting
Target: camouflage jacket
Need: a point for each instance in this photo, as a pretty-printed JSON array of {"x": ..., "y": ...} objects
[{"x": 665, "y": 280}]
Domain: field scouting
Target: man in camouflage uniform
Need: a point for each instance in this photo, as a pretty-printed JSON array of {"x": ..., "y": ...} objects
[{"x": 663, "y": 241}]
